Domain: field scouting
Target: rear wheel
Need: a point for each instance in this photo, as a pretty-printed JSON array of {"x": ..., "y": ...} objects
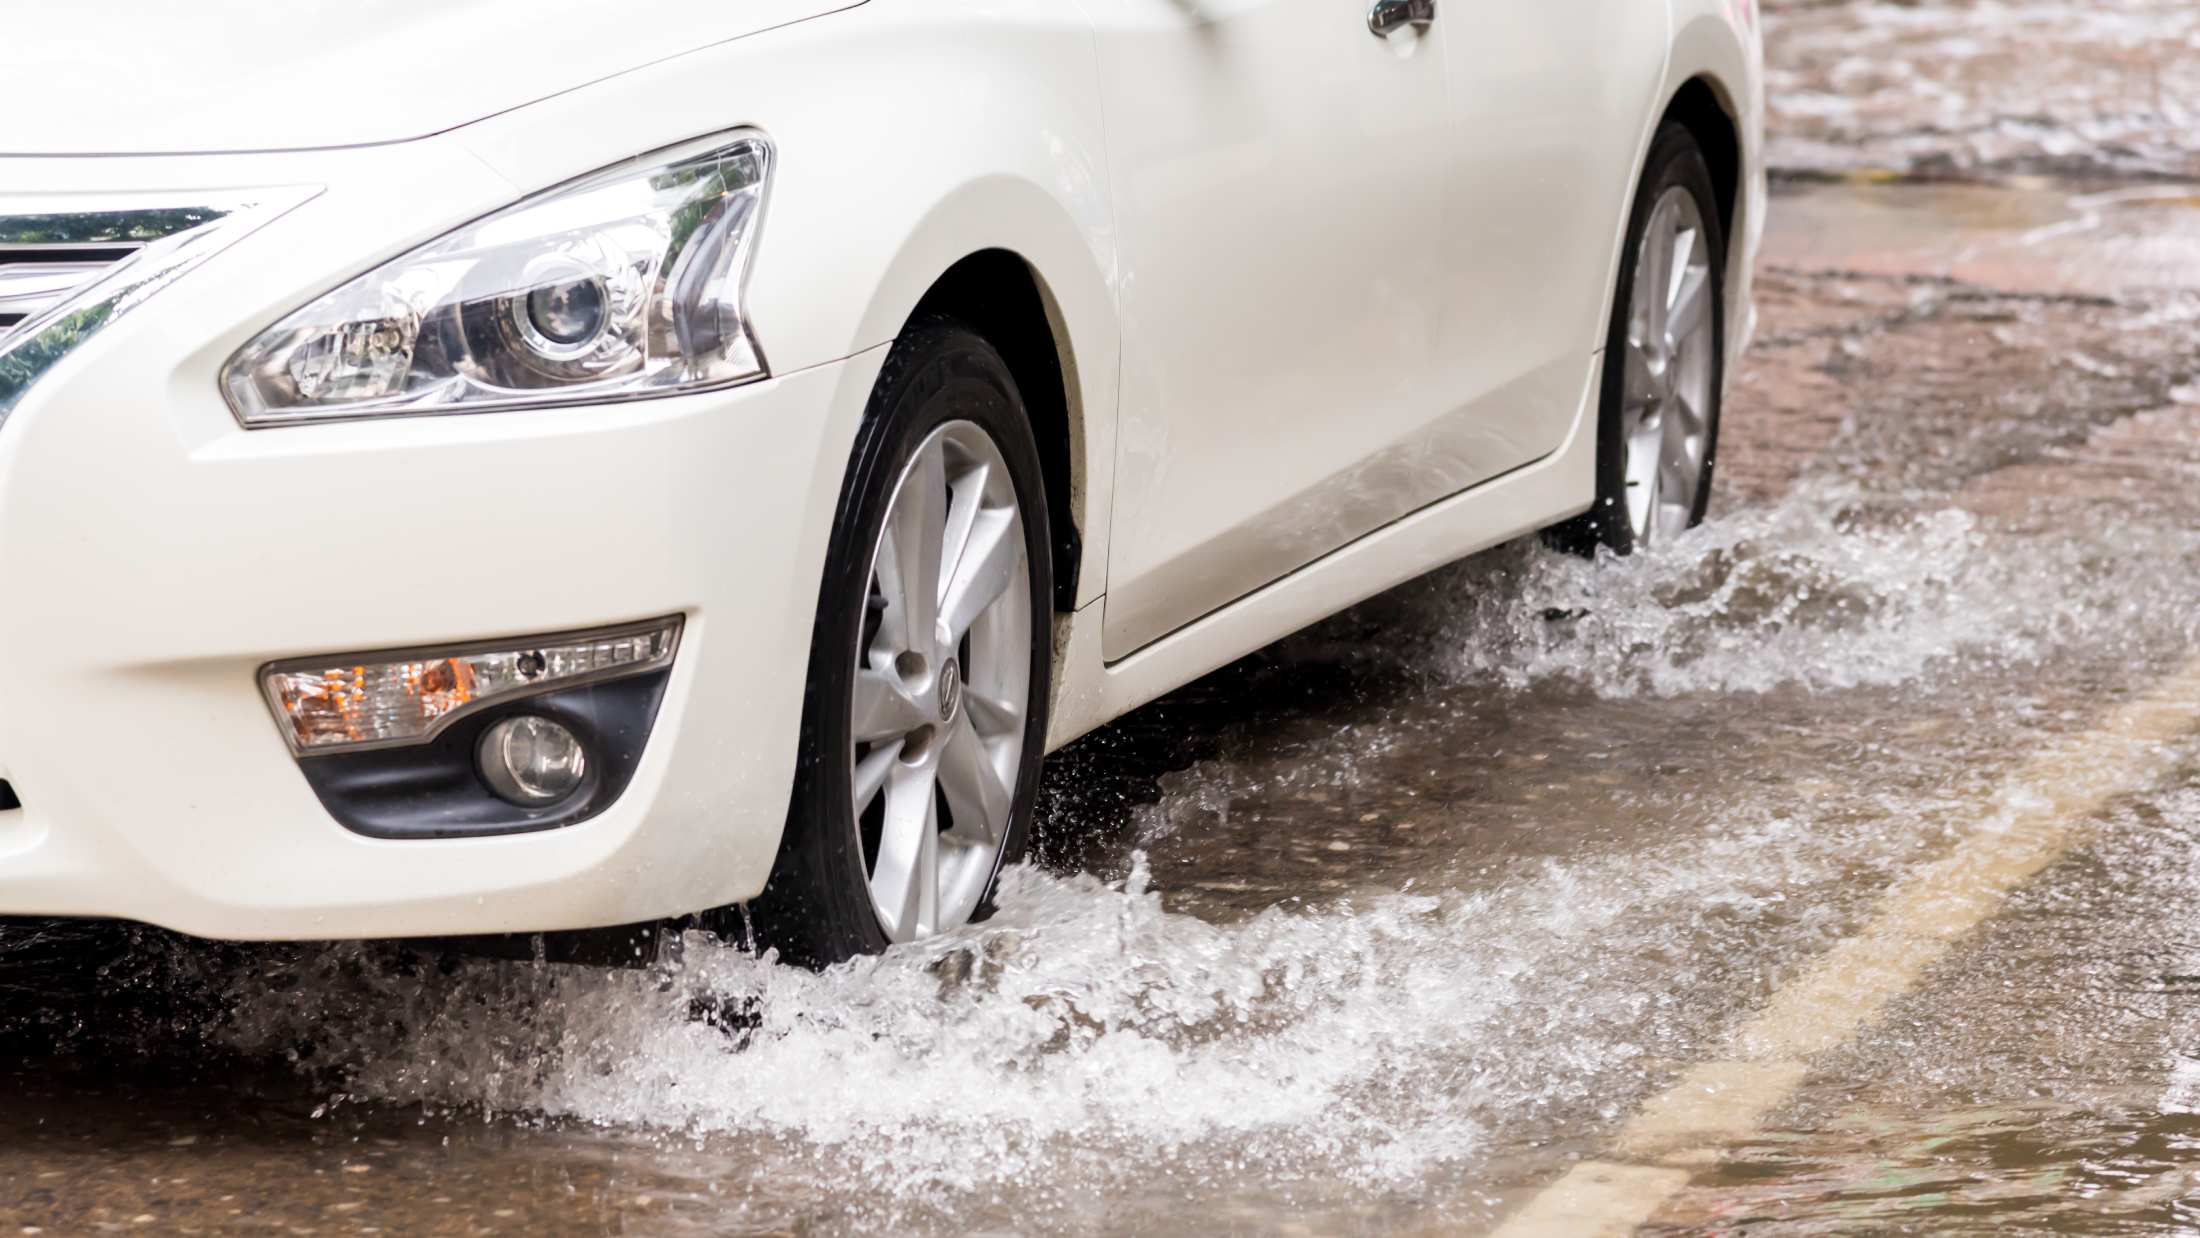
[
  {"x": 1664, "y": 361},
  {"x": 929, "y": 669}
]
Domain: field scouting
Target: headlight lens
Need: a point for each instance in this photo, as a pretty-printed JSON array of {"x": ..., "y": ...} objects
[{"x": 626, "y": 283}]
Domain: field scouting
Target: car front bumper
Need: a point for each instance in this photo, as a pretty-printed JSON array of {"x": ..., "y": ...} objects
[{"x": 154, "y": 555}]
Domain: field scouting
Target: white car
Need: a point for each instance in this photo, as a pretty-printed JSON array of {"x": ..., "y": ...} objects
[{"x": 516, "y": 467}]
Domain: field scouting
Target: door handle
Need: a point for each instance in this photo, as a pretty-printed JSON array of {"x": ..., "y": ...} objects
[{"x": 1387, "y": 17}]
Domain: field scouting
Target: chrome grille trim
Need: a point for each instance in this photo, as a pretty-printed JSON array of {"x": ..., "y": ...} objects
[
  {"x": 61, "y": 221},
  {"x": 33, "y": 282},
  {"x": 70, "y": 264}
]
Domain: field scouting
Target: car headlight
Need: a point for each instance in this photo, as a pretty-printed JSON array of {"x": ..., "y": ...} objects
[{"x": 623, "y": 284}]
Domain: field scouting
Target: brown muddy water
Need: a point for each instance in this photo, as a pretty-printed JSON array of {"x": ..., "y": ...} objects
[
  {"x": 1381, "y": 928},
  {"x": 1385, "y": 927}
]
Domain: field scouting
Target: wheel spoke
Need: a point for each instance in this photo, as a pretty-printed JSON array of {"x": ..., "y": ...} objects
[
  {"x": 883, "y": 707},
  {"x": 1691, "y": 306},
  {"x": 1678, "y": 256},
  {"x": 982, "y": 572},
  {"x": 1657, "y": 273},
  {"x": 1644, "y": 316},
  {"x": 975, "y": 792},
  {"x": 872, "y": 772},
  {"x": 1637, "y": 382},
  {"x": 905, "y": 879},
  {"x": 1685, "y": 423},
  {"x": 928, "y": 871},
  {"x": 893, "y": 621},
  {"x": 1676, "y": 472},
  {"x": 966, "y": 498},
  {"x": 993, "y": 716},
  {"x": 1643, "y": 446},
  {"x": 918, "y": 528}
]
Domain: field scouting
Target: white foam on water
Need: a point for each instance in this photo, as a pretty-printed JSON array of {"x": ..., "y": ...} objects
[
  {"x": 1817, "y": 591},
  {"x": 1965, "y": 85},
  {"x": 1086, "y": 1030}
]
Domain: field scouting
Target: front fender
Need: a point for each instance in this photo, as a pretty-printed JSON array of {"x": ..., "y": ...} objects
[
  {"x": 1721, "y": 42},
  {"x": 908, "y": 137}
]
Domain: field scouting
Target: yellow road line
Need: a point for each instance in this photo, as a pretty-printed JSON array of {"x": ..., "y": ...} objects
[
  {"x": 1598, "y": 1200},
  {"x": 2033, "y": 818}
]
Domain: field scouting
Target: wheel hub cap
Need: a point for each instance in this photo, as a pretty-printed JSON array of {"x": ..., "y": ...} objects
[{"x": 950, "y": 691}]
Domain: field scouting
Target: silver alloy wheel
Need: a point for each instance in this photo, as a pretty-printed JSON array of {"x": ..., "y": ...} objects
[
  {"x": 942, "y": 684},
  {"x": 1665, "y": 414}
]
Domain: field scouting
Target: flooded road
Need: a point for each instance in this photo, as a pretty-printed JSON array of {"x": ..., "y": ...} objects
[
  {"x": 1971, "y": 88},
  {"x": 1394, "y": 926}
]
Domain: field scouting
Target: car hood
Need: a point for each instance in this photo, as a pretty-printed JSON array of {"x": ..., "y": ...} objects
[{"x": 156, "y": 77}]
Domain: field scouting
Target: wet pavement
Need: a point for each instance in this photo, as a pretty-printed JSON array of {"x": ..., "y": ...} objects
[
  {"x": 1972, "y": 88},
  {"x": 1387, "y": 927}
]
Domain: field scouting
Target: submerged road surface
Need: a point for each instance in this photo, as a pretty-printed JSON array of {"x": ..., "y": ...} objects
[{"x": 1832, "y": 869}]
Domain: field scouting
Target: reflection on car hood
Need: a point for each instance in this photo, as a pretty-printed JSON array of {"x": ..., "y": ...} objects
[{"x": 157, "y": 77}]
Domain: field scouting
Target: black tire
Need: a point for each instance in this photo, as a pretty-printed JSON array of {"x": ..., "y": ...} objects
[
  {"x": 1674, "y": 160},
  {"x": 816, "y": 909}
]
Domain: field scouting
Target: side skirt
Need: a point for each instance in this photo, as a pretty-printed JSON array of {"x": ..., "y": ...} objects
[{"x": 1090, "y": 691}]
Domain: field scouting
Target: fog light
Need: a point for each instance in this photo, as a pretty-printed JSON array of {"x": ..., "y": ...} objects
[{"x": 531, "y": 761}]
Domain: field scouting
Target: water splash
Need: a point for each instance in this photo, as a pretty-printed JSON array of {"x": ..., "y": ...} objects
[
  {"x": 1086, "y": 1028},
  {"x": 1823, "y": 591},
  {"x": 2101, "y": 87}
]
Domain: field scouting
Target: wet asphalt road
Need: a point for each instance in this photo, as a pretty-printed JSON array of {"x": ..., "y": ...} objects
[{"x": 1385, "y": 928}]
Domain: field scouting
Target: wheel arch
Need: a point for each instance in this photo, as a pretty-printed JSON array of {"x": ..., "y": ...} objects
[
  {"x": 998, "y": 293},
  {"x": 1714, "y": 85},
  {"x": 1697, "y": 107},
  {"x": 1010, "y": 259}
]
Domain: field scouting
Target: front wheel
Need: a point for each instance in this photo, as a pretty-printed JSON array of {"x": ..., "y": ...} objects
[
  {"x": 925, "y": 715},
  {"x": 1664, "y": 361}
]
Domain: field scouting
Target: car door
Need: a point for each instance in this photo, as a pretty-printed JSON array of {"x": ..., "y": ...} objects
[
  {"x": 1550, "y": 104},
  {"x": 1282, "y": 179}
]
